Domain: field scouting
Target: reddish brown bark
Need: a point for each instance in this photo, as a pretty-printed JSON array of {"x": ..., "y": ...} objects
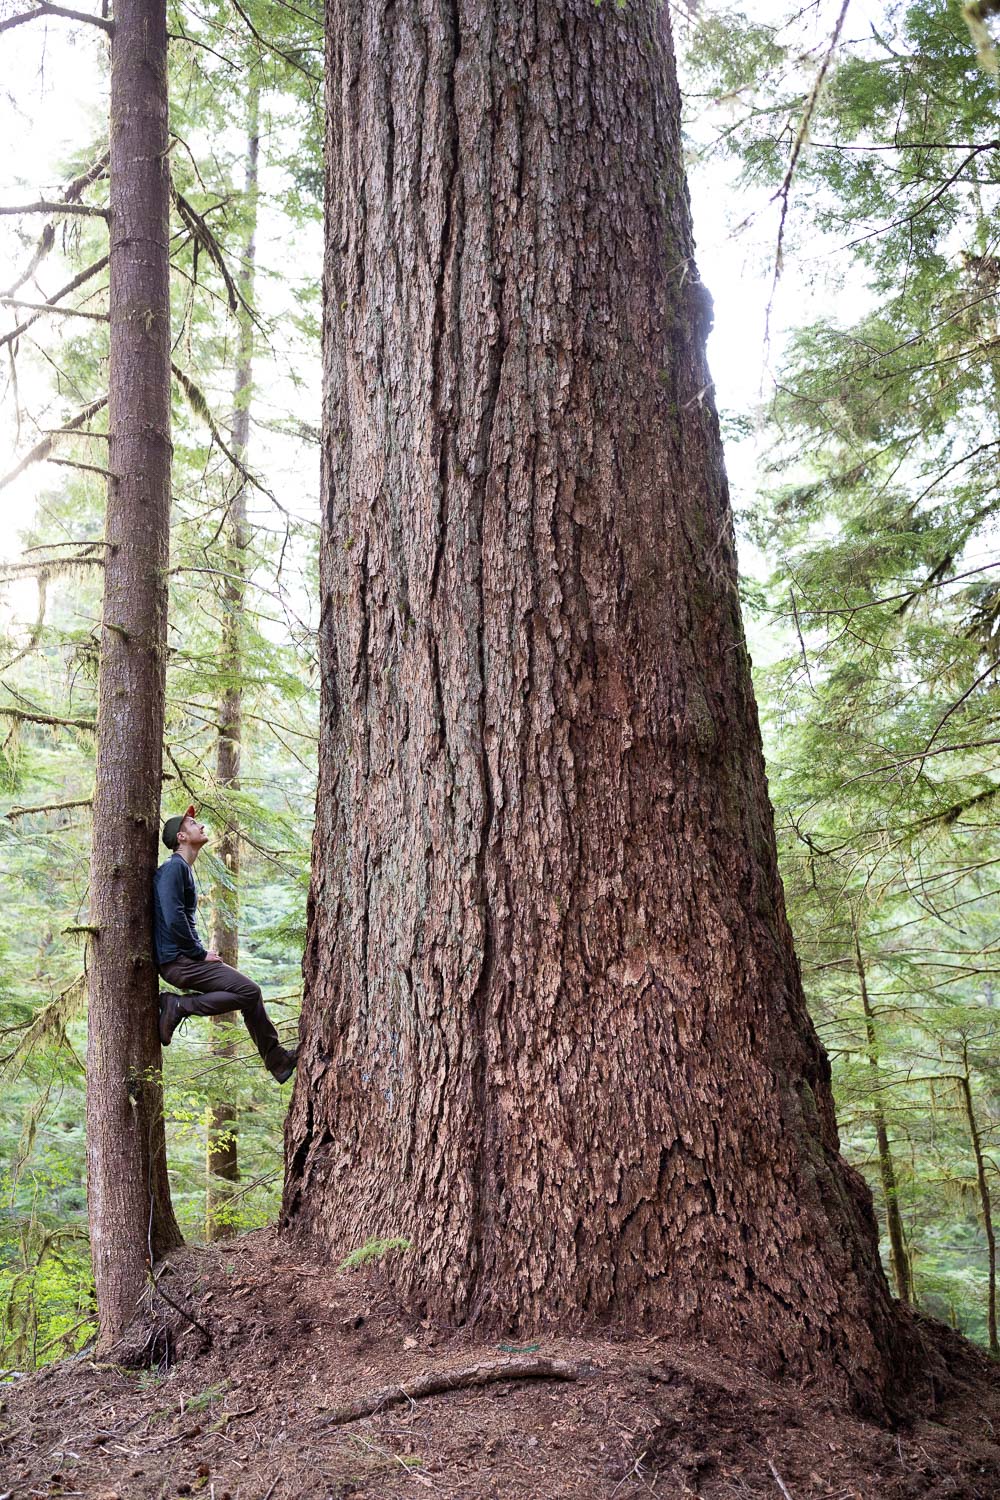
[
  {"x": 554, "y": 1028},
  {"x": 128, "y": 1192}
]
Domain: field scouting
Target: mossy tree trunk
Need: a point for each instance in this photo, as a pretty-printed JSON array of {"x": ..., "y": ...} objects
[{"x": 128, "y": 1193}]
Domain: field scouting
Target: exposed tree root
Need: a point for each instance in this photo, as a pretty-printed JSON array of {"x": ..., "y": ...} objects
[{"x": 436, "y": 1382}]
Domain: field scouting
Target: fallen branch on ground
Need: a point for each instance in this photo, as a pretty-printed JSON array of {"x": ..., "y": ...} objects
[{"x": 437, "y": 1382}]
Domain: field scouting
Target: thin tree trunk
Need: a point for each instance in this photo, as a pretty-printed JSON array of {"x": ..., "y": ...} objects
[
  {"x": 222, "y": 1158},
  {"x": 985, "y": 1204},
  {"x": 899, "y": 1261},
  {"x": 128, "y": 1191},
  {"x": 554, "y": 1027}
]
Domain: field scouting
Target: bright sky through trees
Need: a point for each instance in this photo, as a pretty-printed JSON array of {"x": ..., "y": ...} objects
[{"x": 54, "y": 97}]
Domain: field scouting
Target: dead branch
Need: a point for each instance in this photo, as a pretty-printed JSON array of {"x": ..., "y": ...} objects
[
  {"x": 437, "y": 1382},
  {"x": 199, "y": 404},
  {"x": 44, "y": 8},
  {"x": 25, "y": 718},
  {"x": 86, "y": 542},
  {"x": 71, "y": 286},
  {"x": 41, "y": 450},
  {"x": 47, "y": 307},
  {"x": 194, "y": 222},
  {"x": 71, "y": 463},
  {"x": 93, "y": 173},
  {"x": 49, "y": 567},
  {"x": 26, "y": 812},
  {"x": 44, "y": 207},
  {"x": 784, "y": 191},
  {"x": 39, "y": 625}
]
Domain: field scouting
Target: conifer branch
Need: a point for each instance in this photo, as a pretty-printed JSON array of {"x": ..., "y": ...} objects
[
  {"x": 46, "y": 807},
  {"x": 437, "y": 1382},
  {"x": 71, "y": 286},
  {"x": 45, "y": 8},
  {"x": 196, "y": 224},
  {"x": 39, "y": 625},
  {"x": 23, "y": 717},
  {"x": 94, "y": 173},
  {"x": 85, "y": 210},
  {"x": 783, "y": 194},
  {"x": 48, "y": 307},
  {"x": 199, "y": 405},
  {"x": 270, "y": 47},
  {"x": 41, "y": 450},
  {"x": 72, "y": 463},
  {"x": 46, "y": 567}
]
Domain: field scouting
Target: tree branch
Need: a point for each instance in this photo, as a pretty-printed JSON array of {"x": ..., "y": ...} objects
[
  {"x": 72, "y": 463},
  {"x": 41, "y": 450},
  {"x": 6, "y": 711},
  {"x": 44, "y": 207},
  {"x": 93, "y": 173},
  {"x": 26, "y": 812},
  {"x": 71, "y": 286},
  {"x": 47, "y": 307},
  {"x": 198, "y": 227},
  {"x": 44, "y": 8},
  {"x": 436, "y": 1382},
  {"x": 316, "y": 77}
]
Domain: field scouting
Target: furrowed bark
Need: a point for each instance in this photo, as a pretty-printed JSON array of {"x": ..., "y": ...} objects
[
  {"x": 223, "y": 1161},
  {"x": 554, "y": 1030},
  {"x": 128, "y": 1192}
]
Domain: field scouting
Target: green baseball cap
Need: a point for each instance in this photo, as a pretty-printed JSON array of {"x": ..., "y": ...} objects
[{"x": 172, "y": 827}]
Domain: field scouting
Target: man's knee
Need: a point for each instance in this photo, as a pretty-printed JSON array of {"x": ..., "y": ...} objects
[{"x": 249, "y": 992}]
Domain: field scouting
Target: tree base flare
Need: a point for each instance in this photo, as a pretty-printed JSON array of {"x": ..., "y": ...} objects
[{"x": 295, "y": 1341}]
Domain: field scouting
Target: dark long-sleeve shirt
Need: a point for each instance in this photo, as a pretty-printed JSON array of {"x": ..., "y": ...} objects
[{"x": 175, "y": 901}]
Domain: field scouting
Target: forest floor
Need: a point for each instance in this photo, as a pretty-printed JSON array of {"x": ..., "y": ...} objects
[{"x": 253, "y": 1415}]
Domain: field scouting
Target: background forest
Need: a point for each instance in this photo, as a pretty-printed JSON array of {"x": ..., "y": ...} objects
[{"x": 855, "y": 151}]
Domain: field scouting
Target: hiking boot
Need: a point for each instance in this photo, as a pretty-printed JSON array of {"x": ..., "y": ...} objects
[
  {"x": 170, "y": 1016},
  {"x": 283, "y": 1066}
]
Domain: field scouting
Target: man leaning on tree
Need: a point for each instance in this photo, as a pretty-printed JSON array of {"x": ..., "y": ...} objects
[{"x": 183, "y": 962}]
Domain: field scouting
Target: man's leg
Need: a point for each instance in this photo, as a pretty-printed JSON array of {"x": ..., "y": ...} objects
[{"x": 219, "y": 988}]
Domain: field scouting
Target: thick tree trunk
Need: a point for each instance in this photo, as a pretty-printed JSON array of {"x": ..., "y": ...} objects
[
  {"x": 222, "y": 1158},
  {"x": 554, "y": 1027},
  {"x": 128, "y": 1191}
]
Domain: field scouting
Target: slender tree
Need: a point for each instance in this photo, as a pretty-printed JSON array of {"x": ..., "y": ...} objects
[
  {"x": 899, "y": 1261},
  {"x": 223, "y": 1159},
  {"x": 131, "y": 1220},
  {"x": 554, "y": 1027},
  {"x": 982, "y": 1185}
]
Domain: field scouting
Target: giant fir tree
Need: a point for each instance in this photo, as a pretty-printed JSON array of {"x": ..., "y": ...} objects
[{"x": 554, "y": 1031}]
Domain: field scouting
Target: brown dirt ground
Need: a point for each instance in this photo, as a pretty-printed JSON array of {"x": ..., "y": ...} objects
[{"x": 242, "y": 1418}]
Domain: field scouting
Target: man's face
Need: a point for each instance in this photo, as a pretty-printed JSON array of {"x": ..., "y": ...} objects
[{"x": 192, "y": 832}]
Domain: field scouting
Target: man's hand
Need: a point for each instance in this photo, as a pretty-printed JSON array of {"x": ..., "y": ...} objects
[{"x": 211, "y": 957}]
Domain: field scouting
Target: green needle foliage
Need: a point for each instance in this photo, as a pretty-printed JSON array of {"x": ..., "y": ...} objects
[
  {"x": 879, "y": 501},
  {"x": 48, "y": 663}
]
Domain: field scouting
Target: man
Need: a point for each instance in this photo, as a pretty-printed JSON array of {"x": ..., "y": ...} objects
[{"x": 183, "y": 962}]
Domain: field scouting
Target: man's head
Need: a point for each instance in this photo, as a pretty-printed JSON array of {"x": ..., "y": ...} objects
[{"x": 185, "y": 832}]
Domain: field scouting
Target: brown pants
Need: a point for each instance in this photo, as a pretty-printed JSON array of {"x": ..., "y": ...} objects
[{"x": 219, "y": 989}]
